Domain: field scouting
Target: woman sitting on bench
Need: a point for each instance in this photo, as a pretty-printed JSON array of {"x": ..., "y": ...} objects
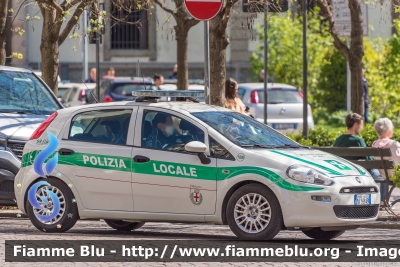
[{"x": 384, "y": 129}]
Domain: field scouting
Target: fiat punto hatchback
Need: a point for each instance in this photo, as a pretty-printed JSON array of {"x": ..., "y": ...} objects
[{"x": 129, "y": 163}]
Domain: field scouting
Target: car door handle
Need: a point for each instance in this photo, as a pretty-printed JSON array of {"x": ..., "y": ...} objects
[
  {"x": 65, "y": 151},
  {"x": 140, "y": 159}
]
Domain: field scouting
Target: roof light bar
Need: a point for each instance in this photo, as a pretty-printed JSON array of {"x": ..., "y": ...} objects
[{"x": 168, "y": 93}]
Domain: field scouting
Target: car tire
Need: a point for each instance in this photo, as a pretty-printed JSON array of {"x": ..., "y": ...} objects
[
  {"x": 68, "y": 214},
  {"x": 124, "y": 226},
  {"x": 319, "y": 234},
  {"x": 253, "y": 213}
]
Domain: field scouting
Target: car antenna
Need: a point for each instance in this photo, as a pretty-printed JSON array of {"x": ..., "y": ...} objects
[
  {"x": 90, "y": 91},
  {"x": 141, "y": 75}
]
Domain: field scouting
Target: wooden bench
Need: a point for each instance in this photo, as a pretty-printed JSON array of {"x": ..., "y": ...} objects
[{"x": 378, "y": 163}]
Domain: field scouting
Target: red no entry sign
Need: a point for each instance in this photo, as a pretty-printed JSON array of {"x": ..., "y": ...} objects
[{"x": 203, "y": 9}]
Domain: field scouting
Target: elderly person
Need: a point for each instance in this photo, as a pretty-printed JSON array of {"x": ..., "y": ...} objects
[{"x": 384, "y": 129}]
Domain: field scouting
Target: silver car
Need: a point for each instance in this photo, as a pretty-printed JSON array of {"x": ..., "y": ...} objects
[
  {"x": 284, "y": 109},
  {"x": 77, "y": 94},
  {"x": 25, "y": 103}
]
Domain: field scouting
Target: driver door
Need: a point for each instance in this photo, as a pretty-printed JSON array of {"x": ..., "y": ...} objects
[{"x": 169, "y": 179}]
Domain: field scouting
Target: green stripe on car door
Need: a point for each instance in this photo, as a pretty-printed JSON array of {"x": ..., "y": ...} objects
[{"x": 171, "y": 169}]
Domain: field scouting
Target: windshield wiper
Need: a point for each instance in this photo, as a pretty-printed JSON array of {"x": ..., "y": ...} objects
[
  {"x": 291, "y": 146},
  {"x": 258, "y": 145},
  {"x": 16, "y": 112}
]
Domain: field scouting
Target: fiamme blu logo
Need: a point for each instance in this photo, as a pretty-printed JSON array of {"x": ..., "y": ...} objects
[{"x": 41, "y": 199}]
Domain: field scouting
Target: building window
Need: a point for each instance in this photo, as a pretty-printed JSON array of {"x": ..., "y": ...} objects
[{"x": 129, "y": 36}]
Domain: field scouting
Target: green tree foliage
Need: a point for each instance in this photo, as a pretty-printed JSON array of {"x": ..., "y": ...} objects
[
  {"x": 285, "y": 50},
  {"x": 327, "y": 68},
  {"x": 331, "y": 83}
]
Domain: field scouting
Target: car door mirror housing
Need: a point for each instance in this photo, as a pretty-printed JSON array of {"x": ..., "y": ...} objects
[
  {"x": 195, "y": 147},
  {"x": 199, "y": 148}
]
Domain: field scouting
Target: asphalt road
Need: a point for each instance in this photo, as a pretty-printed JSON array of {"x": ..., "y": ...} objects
[{"x": 21, "y": 229}]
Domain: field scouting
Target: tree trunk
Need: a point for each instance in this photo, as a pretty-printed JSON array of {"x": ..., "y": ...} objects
[
  {"x": 353, "y": 54},
  {"x": 3, "y": 21},
  {"x": 50, "y": 62},
  {"x": 49, "y": 46},
  {"x": 181, "y": 36},
  {"x": 357, "y": 92},
  {"x": 218, "y": 42},
  {"x": 356, "y": 53}
]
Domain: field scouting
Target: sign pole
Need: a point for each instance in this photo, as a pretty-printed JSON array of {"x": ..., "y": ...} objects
[
  {"x": 207, "y": 61},
  {"x": 348, "y": 91},
  {"x": 305, "y": 73},
  {"x": 98, "y": 66},
  {"x": 265, "y": 61},
  {"x": 85, "y": 66}
]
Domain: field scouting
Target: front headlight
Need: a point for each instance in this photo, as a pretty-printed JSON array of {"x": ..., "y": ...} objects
[{"x": 308, "y": 175}]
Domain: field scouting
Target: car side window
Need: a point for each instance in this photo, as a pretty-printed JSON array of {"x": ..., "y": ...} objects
[
  {"x": 218, "y": 151},
  {"x": 101, "y": 126},
  {"x": 164, "y": 131}
]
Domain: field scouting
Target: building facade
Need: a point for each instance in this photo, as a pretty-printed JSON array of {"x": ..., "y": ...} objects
[{"x": 153, "y": 44}]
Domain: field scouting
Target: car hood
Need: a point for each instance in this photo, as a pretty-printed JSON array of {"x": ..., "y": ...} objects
[
  {"x": 329, "y": 164},
  {"x": 19, "y": 126}
]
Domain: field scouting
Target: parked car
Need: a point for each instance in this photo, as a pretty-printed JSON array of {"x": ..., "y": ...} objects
[
  {"x": 284, "y": 107},
  {"x": 62, "y": 88},
  {"x": 25, "y": 102},
  {"x": 77, "y": 94},
  {"x": 217, "y": 166},
  {"x": 39, "y": 74},
  {"x": 120, "y": 89}
]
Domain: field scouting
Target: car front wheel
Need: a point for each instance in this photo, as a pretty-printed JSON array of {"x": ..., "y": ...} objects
[
  {"x": 124, "y": 226},
  {"x": 254, "y": 213}
]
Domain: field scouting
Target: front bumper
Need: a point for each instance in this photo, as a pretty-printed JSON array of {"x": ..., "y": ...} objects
[
  {"x": 300, "y": 210},
  {"x": 9, "y": 167}
]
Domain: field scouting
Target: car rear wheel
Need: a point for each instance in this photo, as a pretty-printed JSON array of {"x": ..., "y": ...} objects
[
  {"x": 254, "y": 213},
  {"x": 319, "y": 234},
  {"x": 51, "y": 206},
  {"x": 124, "y": 226}
]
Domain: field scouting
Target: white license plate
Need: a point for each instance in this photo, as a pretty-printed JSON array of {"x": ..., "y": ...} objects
[
  {"x": 362, "y": 199},
  {"x": 280, "y": 126}
]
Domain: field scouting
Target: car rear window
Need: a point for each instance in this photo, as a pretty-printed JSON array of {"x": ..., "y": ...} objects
[
  {"x": 61, "y": 91},
  {"x": 127, "y": 88},
  {"x": 101, "y": 126},
  {"x": 280, "y": 96}
]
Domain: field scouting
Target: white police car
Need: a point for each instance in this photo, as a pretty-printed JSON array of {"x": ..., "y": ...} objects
[{"x": 135, "y": 162}]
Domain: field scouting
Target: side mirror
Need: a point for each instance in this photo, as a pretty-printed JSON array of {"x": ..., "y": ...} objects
[
  {"x": 195, "y": 147},
  {"x": 199, "y": 148}
]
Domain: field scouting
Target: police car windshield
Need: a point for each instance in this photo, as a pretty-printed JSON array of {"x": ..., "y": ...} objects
[{"x": 244, "y": 131}]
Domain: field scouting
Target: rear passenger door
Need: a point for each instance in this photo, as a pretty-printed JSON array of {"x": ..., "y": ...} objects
[{"x": 95, "y": 152}]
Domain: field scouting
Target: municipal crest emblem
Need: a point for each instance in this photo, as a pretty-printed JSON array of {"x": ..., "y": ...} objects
[{"x": 196, "y": 197}]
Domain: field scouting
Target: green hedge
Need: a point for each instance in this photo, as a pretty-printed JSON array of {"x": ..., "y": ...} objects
[{"x": 324, "y": 137}]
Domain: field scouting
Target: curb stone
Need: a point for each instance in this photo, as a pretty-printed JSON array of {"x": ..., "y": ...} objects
[{"x": 12, "y": 214}]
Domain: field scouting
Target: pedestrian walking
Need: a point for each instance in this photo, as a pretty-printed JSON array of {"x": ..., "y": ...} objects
[
  {"x": 92, "y": 76},
  {"x": 158, "y": 80},
  {"x": 262, "y": 76},
  {"x": 365, "y": 95},
  {"x": 174, "y": 72},
  {"x": 232, "y": 100},
  {"x": 110, "y": 73}
]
